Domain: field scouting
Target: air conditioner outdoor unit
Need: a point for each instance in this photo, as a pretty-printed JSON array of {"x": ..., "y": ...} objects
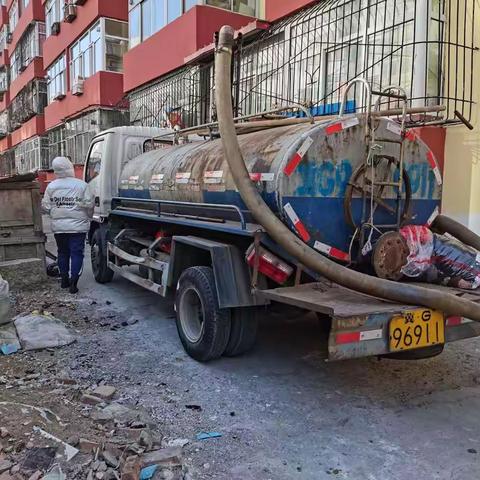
[
  {"x": 78, "y": 85},
  {"x": 59, "y": 96},
  {"x": 79, "y": 2},
  {"x": 9, "y": 37},
  {"x": 70, "y": 12},
  {"x": 22, "y": 67},
  {"x": 55, "y": 29}
]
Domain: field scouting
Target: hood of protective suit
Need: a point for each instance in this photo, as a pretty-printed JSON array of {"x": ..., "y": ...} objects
[{"x": 63, "y": 167}]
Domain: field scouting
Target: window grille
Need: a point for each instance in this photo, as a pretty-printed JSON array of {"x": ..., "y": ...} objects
[
  {"x": 425, "y": 46},
  {"x": 182, "y": 99},
  {"x": 31, "y": 101}
]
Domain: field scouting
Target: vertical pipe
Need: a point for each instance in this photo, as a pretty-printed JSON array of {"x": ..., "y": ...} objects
[{"x": 420, "y": 59}]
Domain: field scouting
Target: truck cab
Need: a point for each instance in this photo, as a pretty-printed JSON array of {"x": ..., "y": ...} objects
[{"x": 108, "y": 153}]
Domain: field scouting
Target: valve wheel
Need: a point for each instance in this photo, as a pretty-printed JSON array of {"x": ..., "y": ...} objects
[{"x": 360, "y": 183}]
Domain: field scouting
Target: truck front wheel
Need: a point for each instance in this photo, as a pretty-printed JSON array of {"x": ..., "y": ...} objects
[
  {"x": 99, "y": 256},
  {"x": 203, "y": 327}
]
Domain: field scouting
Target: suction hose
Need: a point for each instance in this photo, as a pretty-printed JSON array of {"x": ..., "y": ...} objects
[
  {"x": 443, "y": 224},
  {"x": 397, "y": 292}
]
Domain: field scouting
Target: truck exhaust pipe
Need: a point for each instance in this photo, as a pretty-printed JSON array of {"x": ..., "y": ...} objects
[{"x": 389, "y": 290}]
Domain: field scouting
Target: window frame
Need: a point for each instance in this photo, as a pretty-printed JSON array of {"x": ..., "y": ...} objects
[
  {"x": 58, "y": 71},
  {"x": 89, "y": 179},
  {"x": 77, "y": 61},
  {"x": 51, "y": 18}
]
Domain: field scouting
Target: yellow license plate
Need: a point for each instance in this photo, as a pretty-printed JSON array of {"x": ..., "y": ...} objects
[{"x": 416, "y": 329}]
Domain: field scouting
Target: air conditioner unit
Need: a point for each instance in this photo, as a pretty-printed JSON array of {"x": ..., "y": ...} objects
[
  {"x": 70, "y": 12},
  {"x": 79, "y": 3},
  {"x": 59, "y": 96},
  {"x": 9, "y": 37},
  {"x": 55, "y": 29},
  {"x": 22, "y": 67},
  {"x": 78, "y": 85}
]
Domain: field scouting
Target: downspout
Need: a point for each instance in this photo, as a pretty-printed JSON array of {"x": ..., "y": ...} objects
[{"x": 397, "y": 292}]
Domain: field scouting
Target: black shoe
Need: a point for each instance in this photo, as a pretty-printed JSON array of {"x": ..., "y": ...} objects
[
  {"x": 65, "y": 282},
  {"x": 73, "y": 285}
]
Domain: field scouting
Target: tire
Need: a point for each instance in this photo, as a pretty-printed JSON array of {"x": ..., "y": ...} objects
[
  {"x": 98, "y": 248},
  {"x": 203, "y": 327},
  {"x": 243, "y": 333}
]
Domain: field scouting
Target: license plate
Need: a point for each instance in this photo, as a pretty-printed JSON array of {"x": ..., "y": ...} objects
[{"x": 416, "y": 329}]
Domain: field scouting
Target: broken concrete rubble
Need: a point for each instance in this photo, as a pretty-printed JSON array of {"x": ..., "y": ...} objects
[
  {"x": 42, "y": 331},
  {"x": 106, "y": 392}
]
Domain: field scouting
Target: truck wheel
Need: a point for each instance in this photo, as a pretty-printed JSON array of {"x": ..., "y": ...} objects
[
  {"x": 203, "y": 327},
  {"x": 98, "y": 245},
  {"x": 243, "y": 333}
]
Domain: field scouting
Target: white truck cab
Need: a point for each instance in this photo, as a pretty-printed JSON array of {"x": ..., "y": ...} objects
[{"x": 107, "y": 155}]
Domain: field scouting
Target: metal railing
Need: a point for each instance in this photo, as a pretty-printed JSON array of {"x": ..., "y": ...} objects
[{"x": 427, "y": 47}]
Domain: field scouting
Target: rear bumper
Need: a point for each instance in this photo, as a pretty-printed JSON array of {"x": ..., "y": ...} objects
[{"x": 368, "y": 336}]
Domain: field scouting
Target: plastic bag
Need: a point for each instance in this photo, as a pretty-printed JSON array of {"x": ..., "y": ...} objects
[
  {"x": 4, "y": 302},
  {"x": 440, "y": 259},
  {"x": 420, "y": 244}
]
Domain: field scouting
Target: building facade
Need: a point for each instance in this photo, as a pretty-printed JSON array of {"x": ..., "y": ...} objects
[{"x": 61, "y": 77}]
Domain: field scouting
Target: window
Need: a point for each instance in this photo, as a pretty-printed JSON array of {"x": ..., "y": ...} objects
[
  {"x": 29, "y": 47},
  {"x": 94, "y": 161},
  {"x": 13, "y": 16},
  {"x": 56, "y": 81},
  {"x": 52, "y": 14},
  {"x": 86, "y": 55},
  {"x": 3, "y": 38},
  {"x": 101, "y": 48},
  {"x": 24, "y": 4},
  {"x": 3, "y": 80}
]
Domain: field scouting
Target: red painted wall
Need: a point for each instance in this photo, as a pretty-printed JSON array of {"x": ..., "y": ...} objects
[
  {"x": 34, "y": 70},
  {"x": 5, "y": 143},
  {"x": 31, "y": 128},
  {"x": 167, "y": 49},
  {"x": 34, "y": 12},
  {"x": 3, "y": 15},
  {"x": 275, "y": 9},
  {"x": 86, "y": 15},
  {"x": 102, "y": 89},
  {"x": 435, "y": 138}
]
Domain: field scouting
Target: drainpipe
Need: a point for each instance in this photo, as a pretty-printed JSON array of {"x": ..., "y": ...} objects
[{"x": 394, "y": 291}]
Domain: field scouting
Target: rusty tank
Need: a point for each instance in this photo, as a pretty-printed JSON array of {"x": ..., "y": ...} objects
[{"x": 310, "y": 175}]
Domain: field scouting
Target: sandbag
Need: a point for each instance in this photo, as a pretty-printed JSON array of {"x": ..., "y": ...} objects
[{"x": 4, "y": 302}]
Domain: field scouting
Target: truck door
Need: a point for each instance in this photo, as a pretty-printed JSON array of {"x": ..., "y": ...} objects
[{"x": 93, "y": 169}]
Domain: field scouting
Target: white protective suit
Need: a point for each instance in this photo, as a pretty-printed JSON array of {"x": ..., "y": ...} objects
[{"x": 68, "y": 200}]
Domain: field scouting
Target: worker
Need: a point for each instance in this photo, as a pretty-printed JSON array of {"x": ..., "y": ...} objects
[{"x": 70, "y": 203}]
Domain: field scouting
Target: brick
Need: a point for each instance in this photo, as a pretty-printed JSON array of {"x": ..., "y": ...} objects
[
  {"x": 87, "y": 446},
  {"x": 91, "y": 399},
  {"x": 166, "y": 457},
  {"x": 131, "y": 469},
  {"x": 105, "y": 391}
]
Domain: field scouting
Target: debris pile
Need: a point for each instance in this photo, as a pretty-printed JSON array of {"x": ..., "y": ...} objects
[{"x": 114, "y": 441}]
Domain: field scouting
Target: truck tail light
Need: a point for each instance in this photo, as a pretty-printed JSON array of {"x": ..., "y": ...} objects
[
  {"x": 166, "y": 243},
  {"x": 270, "y": 265}
]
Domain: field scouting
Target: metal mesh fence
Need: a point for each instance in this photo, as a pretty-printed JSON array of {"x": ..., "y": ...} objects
[{"x": 425, "y": 46}]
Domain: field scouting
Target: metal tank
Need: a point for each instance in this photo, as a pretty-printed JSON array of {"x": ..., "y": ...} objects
[{"x": 303, "y": 172}]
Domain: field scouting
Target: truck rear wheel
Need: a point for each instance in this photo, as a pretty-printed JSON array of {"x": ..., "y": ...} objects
[
  {"x": 243, "y": 333},
  {"x": 99, "y": 257},
  {"x": 203, "y": 327}
]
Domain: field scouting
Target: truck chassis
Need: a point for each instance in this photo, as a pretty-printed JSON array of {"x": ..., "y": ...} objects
[{"x": 218, "y": 295}]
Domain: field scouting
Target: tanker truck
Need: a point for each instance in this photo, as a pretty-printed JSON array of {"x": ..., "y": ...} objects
[
  {"x": 170, "y": 218},
  {"x": 328, "y": 215}
]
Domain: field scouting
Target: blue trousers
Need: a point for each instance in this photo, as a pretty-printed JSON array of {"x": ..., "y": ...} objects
[{"x": 70, "y": 248}]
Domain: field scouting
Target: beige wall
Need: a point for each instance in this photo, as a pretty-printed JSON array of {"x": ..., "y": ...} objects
[{"x": 461, "y": 194}]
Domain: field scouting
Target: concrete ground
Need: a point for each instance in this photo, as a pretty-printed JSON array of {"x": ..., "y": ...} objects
[{"x": 283, "y": 412}]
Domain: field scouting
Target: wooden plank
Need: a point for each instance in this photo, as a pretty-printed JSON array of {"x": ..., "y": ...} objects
[{"x": 331, "y": 300}]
